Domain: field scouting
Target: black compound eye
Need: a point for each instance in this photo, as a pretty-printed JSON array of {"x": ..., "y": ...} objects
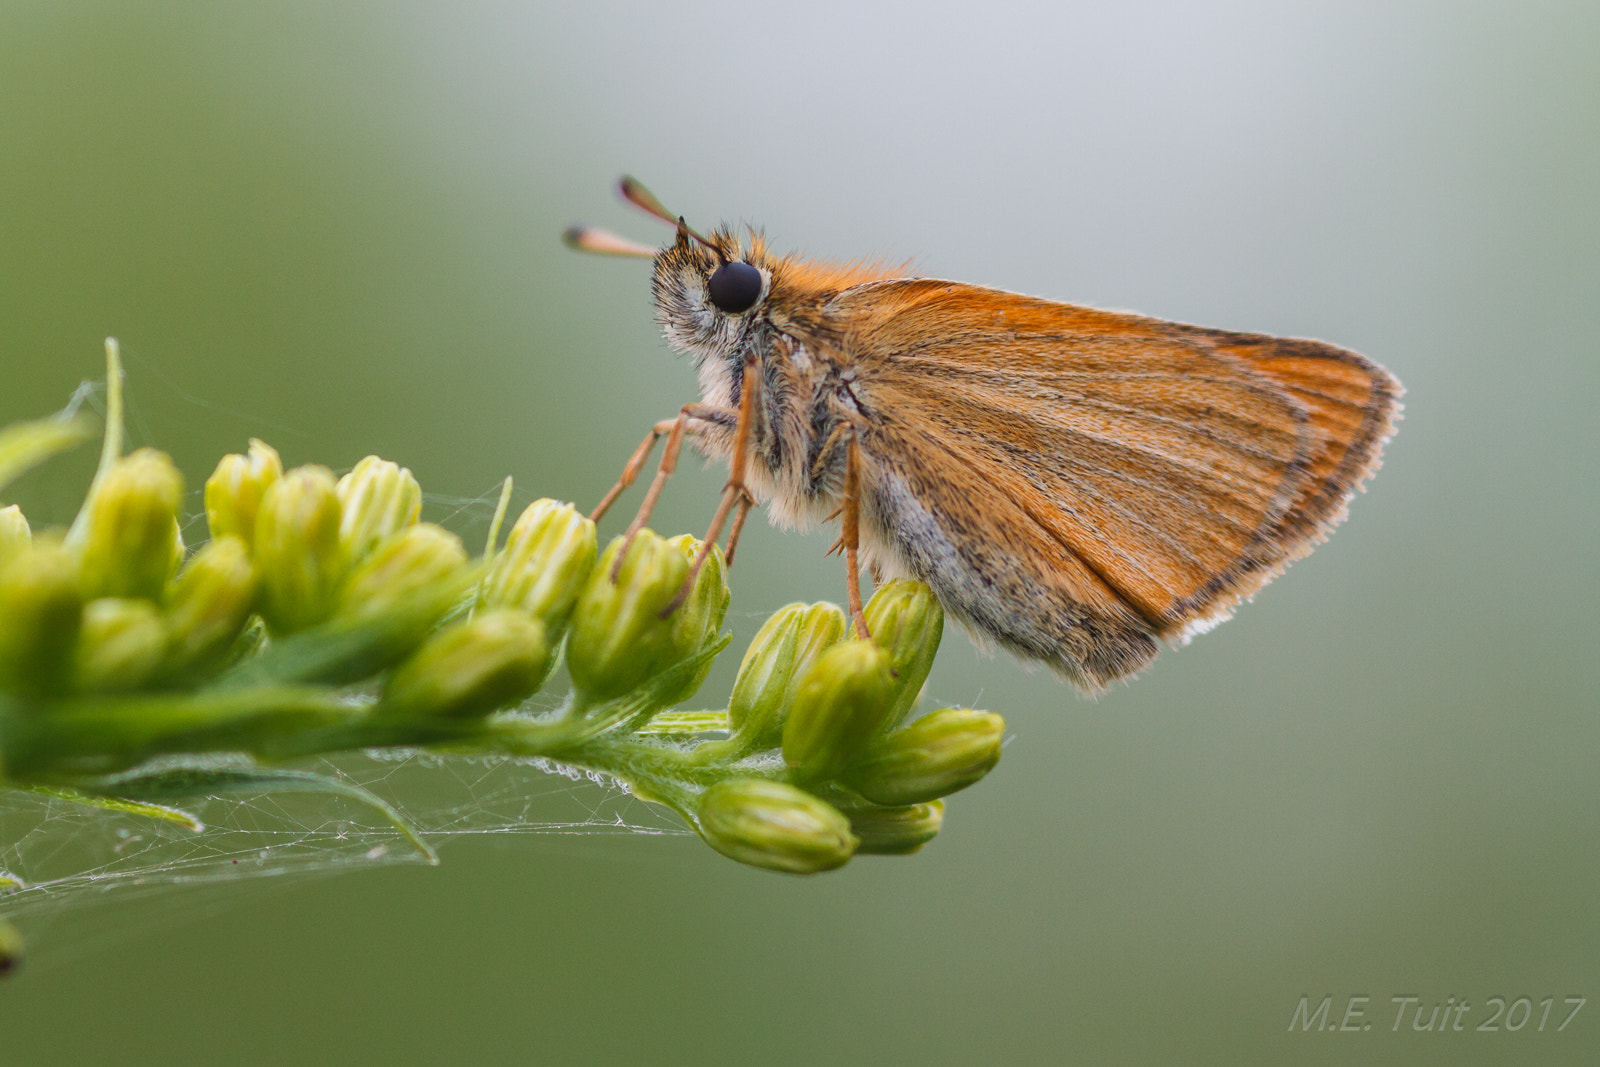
[{"x": 735, "y": 287}]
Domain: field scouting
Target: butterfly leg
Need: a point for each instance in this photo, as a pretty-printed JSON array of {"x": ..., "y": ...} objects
[
  {"x": 636, "y": 462},
  {"x": 746, "y": 502},
  {"x": 631, "y": 471},
  {"x": 849, "y": 512},
  {"x": 674, "y": 429},
  {"x": 850, "y": 537},
  {"x": 735, "y": 490}
]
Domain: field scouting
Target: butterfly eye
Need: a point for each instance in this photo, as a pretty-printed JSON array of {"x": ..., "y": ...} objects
[{"x": 735, "y": 287}]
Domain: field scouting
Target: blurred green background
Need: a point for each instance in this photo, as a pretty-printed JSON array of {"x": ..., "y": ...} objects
[{"x": 334, "y": 226}]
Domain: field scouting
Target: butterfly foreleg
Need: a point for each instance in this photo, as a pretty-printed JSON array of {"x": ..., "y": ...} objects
[
  {"x": 673, "y": 430},
  {"x": 735, "y": 491},
  {"x": 746, "y": 502}
]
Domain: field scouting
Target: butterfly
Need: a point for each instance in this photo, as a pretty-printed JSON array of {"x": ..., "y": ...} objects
[{"x": 1076, "y": 485}]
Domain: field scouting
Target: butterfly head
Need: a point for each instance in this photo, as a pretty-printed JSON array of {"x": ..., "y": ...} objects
[{"x": 711, "y": 294}]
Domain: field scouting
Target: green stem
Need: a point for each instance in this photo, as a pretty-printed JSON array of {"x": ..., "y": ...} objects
[{"x": 73, "y": 738}]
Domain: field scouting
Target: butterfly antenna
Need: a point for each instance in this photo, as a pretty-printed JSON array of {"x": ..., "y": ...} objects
[
  {"x": 643, "y": 199},
  {"x": 603, "y": 242}
]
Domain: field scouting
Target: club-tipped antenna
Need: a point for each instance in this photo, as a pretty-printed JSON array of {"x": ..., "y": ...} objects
[
  {"x": 603, "y": 242},
  {"x": 643, "y": 199}
]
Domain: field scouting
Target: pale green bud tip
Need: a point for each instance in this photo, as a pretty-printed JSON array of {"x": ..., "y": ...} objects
[
  {"x": 41, "y": 610},
  {"x": 697, "y": 622},
  {"x": 235, "y": 489},
  {"x": 471, "y": 668},
  {"x": 130, "y": 549},
  {"x": 297, "y": 548},
  {"x": 122, "y": 645},
  {"x": 896, "y": 831},
  {"x": 208, "y": 604},
  {"x": 547, "y": 559},
  {"x": 905, "y": 618},
  {"x": 378, "y": 499},
  {"x": 406, "y": 563},
  {"x": 840, "y": 706},
  {"x": 774, "y": 825},
  {"x": 783, "y": 650},
  {"x": 764, "y": 673},
  {"x": 942, "y": 752},
  {"x": 618, "y": 638},
  {"x": 15, "y": 536}
]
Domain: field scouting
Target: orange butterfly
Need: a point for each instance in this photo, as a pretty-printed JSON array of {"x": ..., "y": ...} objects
[{"x": 1075, "y": 484}]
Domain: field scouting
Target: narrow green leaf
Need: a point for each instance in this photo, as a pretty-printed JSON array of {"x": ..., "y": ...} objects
[
  {"x": 27, "y": 444},
  {"x": 122, "y": 805},
  {"x": 345, "y": 650}
]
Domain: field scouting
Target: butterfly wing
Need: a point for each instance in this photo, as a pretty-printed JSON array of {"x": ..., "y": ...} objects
[{"x": 1078, "y": 483}]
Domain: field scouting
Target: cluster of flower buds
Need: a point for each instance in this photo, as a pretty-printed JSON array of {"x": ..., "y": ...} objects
[
  {"x": 108, "y": 609},
  {"x": 116, "y": 608},
  {"x": 860, "y": 778},
  {"x": 338, "y": 578}
]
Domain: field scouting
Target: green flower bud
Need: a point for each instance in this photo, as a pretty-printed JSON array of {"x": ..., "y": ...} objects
[
  {"x": 618, "y": 639},
  {"x": 208, "y": 604},
  {"x": 41, "y": 611},
  {"x": 15, "y": 537},
  {"x": 132, "y": 546},
  {"x": 547, "y": 560},
  {"x": 935, "y": 756},
  {"x": 11, "y": 948},
  {"x": 297, "y": 552},
  {"x": 378, "y": 499},
  {"x": 841, "y": 705},
  {"x": 905, "y": 618},
  {"x": 121, "y": 646},
  {"x": 406, "y": 563},
  {"x": 471, "y": 668},
  {"x": 235, "y": 489},
  {"x": 774, "y": 825},
  {"x": 783, "y": 650},
  {"x": 896, "y": 831},
  {"x": 697, "y": 622}
]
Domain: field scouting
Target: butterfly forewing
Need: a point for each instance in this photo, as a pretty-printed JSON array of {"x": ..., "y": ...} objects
[{"x": 1161, "y": 472}]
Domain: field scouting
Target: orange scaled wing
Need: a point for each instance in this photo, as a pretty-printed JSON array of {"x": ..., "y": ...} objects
[{"x": 1118, "y": 477}]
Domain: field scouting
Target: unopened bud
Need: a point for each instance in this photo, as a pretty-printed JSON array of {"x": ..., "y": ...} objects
[
  {"x": 235, "y": 489},
  {"x": 471, "y": 667},
  {"x": 208, "y": 604},
  {"x": 697, "y": 622},
  {"x": 122, "y": 645},
  {"x": 132, "y": 546},
  {"x": 905, "y": 618},
  {"x": 408, "y": 562},
  {"x": 297, "y": 552},
  {"x": 11, "y": 948},
  {"x": 619, "y": 639},
  {"x": 41, "y": 610},
  {"x": 942, "y": 752},
  {"x": 15, "y": 537},
  {"x": 783, "y": 650},
  {"x": 840, "y": 706},
  {"x": 897, "y": 831},
  {"x": 547, "y": 559},
  {"x": 774, "y": 825},
  {"x": 377, "y": 499}
]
